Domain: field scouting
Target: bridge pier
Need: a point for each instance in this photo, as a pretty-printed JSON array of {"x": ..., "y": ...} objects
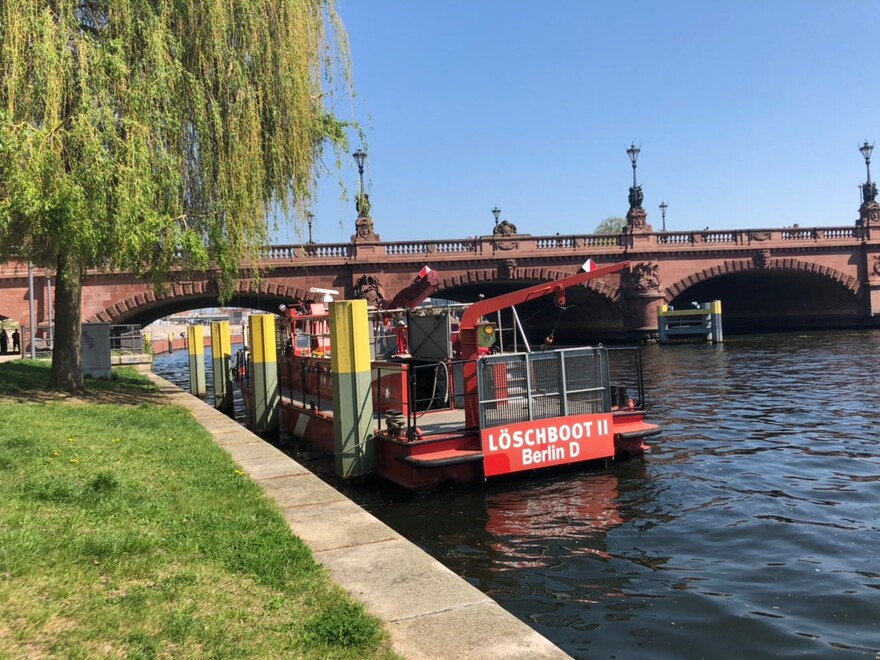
[
  {"x": 872, "y": 296},
  {"x": 641, "y": 314}
]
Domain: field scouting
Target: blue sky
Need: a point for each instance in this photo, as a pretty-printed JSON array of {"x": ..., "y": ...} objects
[{"x": 749, "y": 113}]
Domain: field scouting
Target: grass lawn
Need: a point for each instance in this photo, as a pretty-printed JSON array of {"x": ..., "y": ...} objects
[{"x": 126, "y": 532}]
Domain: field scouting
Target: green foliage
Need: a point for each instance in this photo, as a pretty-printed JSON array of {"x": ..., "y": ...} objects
[
  {"x": 343, "y": 624},
  {"x": 611, "y": 225},
  {"x": 148, "y": 135}
]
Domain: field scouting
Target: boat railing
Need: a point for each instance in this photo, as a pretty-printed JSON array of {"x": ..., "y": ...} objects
[
  {"x": 522, "y": 387},
  {"x": 627, "y": 377},
  {"x": 311, "y": 381},
  {"x": 389, "y": 392},
  {"x": 405, "y": 393}
]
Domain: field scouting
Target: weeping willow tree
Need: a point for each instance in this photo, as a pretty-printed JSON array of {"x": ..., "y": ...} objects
[{"x": 149, "y": 135}]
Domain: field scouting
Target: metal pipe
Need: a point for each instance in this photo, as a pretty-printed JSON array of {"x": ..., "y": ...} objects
[
  {"x": 519, "y": 325},
  {"x": 49, "y": 310},
  {"x": 32, "y": 328}
]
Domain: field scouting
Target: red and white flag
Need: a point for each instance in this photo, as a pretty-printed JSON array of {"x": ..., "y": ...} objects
[{"x": 589, "y": 265}]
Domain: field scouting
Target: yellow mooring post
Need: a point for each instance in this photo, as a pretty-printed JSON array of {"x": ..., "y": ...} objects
[
  {"x": 221, "y": 359},
  {"x": 264, "y": 381},
  {"x": 195, "y": 343},
  {"x": 352, "y": 394}
]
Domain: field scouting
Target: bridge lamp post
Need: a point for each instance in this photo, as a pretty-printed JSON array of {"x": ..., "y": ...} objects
[
  {"x": 359, "y": 157},
  {"x": 663, "y": 207},
  {"x": 633, "y": 153},
  {"x": 866, "y": 150},
  {"x": 309, "y": 218},
  {"x": 497, "y": 213}
]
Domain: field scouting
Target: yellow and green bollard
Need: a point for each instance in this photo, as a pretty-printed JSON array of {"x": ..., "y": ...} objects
[
  {"x": 195, "y": 342},
  {"x": 352, "y": 393},
  {"x": 221, "y": 359},
  {"x": 264, "y": 372}
]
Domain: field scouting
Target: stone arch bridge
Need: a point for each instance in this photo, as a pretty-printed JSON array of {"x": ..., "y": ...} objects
[{"x": 767, "y": 279}]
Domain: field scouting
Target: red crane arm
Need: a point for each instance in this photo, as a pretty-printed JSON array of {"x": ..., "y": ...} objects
[
  {"x": 470, "y": 318},
  {"x": 473, "y": 313}
]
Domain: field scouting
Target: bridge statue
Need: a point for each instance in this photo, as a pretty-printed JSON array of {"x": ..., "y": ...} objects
[
  {"x": 635, "y": 197},
  {"x": 869, "y": 192},
  {"x": 504, "y": 228},
  {"x": 363, "y": 226},
  {"x": 362, "y": 205}
]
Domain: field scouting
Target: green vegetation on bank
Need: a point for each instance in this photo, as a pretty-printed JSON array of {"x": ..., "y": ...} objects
[{"x": 126, "y": 532}]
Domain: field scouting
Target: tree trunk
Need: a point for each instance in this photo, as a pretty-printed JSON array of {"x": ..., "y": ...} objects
[{"x": 67, "y": 373}]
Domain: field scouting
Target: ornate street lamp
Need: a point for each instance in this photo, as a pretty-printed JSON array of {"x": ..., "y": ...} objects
[
  {"x": 869, "y": 190},
  {"x": 635, "y": 192},
  {"x": 309, "y": 218},
  {"x": 663, "y": 207},
  {"x": 363, "y": 202},
  {"x": 633, "y": 153},
  {"x": 497, "y": 213},
  {"x": 360, "y": 157},
  {"x": 866, "y": 150}
]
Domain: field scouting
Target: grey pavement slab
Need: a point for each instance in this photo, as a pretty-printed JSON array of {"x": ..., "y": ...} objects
[
  {"x": 264, "y": 469},
  {"x": 428, "y": 610},
  {"x": 292, "y": 491},
  {"x": 397, "y": 580},
  {"x": 334, "y": 525},
  {"x": 462, "y": 633},
  {"x": 256, "y": 451}
]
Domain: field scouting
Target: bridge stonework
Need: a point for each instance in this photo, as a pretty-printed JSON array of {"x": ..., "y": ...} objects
[{"x": 766, "y": 278}]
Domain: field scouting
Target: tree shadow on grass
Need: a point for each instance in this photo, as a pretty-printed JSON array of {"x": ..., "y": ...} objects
[{"x": 27, "y": 381}]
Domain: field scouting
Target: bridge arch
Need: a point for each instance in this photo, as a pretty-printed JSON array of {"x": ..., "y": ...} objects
[
  {"x": 146, "y": 307},
  {"x": 731, "y": 267},
  {"x": 766, "y": 294}
]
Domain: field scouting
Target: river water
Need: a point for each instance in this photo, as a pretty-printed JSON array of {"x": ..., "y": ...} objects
[{"x": 751, "y": 529}]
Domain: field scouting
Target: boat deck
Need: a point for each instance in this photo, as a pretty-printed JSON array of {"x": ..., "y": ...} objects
[{"x": 434, "y": 422}]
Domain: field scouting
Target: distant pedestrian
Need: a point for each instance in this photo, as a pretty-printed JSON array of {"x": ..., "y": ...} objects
[
  {"x": 16, "y": 339},
  {"x": 4, "y": 341}
]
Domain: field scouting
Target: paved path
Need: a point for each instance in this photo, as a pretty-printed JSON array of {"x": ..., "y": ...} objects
[{"x": 429, "y": 611}]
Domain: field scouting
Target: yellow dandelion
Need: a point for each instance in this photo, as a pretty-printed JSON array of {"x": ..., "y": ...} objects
[
  {"x": 239, "y": 473},
  {"x": 55, "y": 452},
  {"x": 70, "y": 439},
  {"x": 74, "y": 460},
  {"x": 116, "y": 440},
  {"x": 170, "y": 439}
]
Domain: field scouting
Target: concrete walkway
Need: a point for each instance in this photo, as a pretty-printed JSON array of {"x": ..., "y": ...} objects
[{"x": 429, "y": 611}]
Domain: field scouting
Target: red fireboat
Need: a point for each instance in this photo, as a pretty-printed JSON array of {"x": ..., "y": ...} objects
[{"x": 450, "y": 408}]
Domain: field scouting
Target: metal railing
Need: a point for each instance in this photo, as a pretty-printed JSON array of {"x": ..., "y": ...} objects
[
  {"x": 577, "y": 381},
  {"x": 127, "y": 339},
  {"x": 528, "y": 386},
  {"x": 627, "y": 377}
]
